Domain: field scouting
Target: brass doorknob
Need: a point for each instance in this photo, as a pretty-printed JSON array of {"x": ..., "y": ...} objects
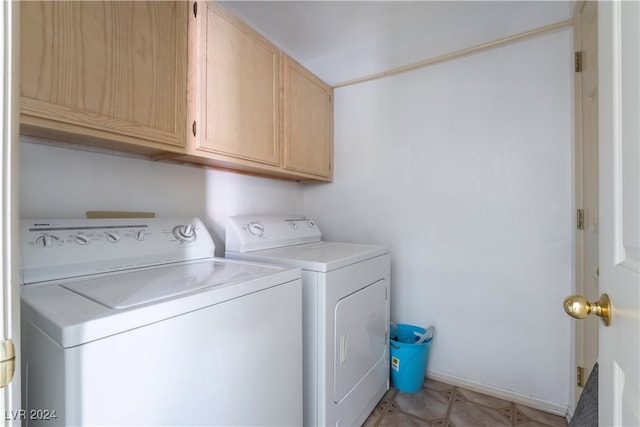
[{"x": 577, "y": 306}]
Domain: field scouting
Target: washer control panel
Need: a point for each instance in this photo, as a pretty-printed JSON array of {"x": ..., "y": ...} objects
[
  {"x": 252, "y": 233},
  {"x": 62, "y": 248}
]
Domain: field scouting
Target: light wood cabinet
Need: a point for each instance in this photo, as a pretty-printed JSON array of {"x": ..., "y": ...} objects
[
  {"x": 307, "y": 128},
  {"x": 236, "y": 89},
  {"x": 108, "y": 73},
  {"x": 173, "y": 80},
  {"x": 253, "y": 108}
]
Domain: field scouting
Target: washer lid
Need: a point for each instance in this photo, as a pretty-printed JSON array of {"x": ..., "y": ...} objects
[
  {"x": 74, "y": 313},
  {"x": 318, "y": 256},
  {"x": 142, "y": 287}
]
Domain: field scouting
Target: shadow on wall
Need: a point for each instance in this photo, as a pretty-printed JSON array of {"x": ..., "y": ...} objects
[{"x": 78, "y": 181}]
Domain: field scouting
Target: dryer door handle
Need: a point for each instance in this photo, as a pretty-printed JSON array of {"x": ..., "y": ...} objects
[{"x": 343, "y": 349}]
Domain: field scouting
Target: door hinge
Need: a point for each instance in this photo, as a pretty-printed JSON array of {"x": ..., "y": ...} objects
[
  {"x": 386, "y": 296},
  {"x": 580, "y": 376},
  {"x": 578, "y": 61},
  {"x": 193, "y": 128},
  {"x": 195, "y": 9},
  {"x": 580, "y": 219},
  {"x": 7, "y": 362}
]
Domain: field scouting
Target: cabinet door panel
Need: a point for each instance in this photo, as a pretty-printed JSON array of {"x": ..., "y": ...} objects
[
  {"x": 112, "y": 67},
  {"x": 238, "y": 115},
  {"x": 308, "y": 121}
]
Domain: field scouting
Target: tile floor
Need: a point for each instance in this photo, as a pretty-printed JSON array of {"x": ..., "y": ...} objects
[{"x": 439, "y": 404}]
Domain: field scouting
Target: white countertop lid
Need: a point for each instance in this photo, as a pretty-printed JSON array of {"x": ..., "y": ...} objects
[
  {"x": 72, "y": 312},
  {"x": 142, "y": 287},
  {"x": 317, "y": 256}
]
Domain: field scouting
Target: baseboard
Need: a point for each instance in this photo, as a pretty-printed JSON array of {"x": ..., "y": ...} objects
[{"x": 500, "y": 393}]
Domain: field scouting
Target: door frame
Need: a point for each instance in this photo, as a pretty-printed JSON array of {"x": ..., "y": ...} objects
[
  {"x": 577, "y": 327},
  {"x": 585, "y": 274},
  {"x": 10, "y": 400}
]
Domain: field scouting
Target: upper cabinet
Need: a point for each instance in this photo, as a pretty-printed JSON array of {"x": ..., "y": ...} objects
[
  {"x": 236, "y": 89},
  {"x": 307, "y": 129},
  {"x": 174, "y": 80},
  {"x": 254, "y": 108},
  {"x": 105, "y": 72}
]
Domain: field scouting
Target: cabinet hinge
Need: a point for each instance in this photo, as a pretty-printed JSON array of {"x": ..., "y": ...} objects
[
  {"x": 193, "y": 128},
  {"x": 580, "y": 376},
  {"x": 580, "y": 219},
  {"x": 195, "y": 9},
  {"x": 578, "y": 62}
]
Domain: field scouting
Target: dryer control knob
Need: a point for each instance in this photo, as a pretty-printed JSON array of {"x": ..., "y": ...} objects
[{"x": 256, "y": 229}]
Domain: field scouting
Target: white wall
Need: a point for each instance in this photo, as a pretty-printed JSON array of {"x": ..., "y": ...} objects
[
  {"x": 65, "y": 183},
  {"x": 465, "y": 170}
]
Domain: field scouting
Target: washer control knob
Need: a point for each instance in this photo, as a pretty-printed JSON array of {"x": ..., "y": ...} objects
[
  {"x": 311, "y": 224},
  {"x": 185, "y": 233},
  {"x": 294, "y": 225},
  {"x": 140, "y": 235},
  {"x": 113, "y": 237},
  {"x": 256, "y": 228},
  {"x": 46, "y": 240},
  {"x": 82, "y": 239}
]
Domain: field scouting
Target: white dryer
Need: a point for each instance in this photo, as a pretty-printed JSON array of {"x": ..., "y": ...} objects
[
  {"x": 134, "y": 322},
  {"x": 345, "y": 290}
]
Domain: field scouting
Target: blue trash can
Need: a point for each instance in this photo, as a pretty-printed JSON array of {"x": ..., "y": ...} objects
[{"x": 408, "y": 358}]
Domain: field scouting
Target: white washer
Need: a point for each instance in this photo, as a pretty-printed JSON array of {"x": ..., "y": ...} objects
[
  {"x": 134, "y": 322},
  {"x": 345, "y": 291}
]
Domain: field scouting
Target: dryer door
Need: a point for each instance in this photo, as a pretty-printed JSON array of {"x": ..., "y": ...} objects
[{"x": 360, "y": 336}]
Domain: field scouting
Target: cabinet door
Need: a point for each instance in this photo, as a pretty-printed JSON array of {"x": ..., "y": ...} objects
[
  {"x": 109, "y": 70},
  {"x": 308, "y": 121},
  {"x": 236, "y": 96}
]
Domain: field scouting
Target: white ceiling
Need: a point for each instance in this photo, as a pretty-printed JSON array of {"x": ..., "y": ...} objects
[{"x": 344, "y": 40}]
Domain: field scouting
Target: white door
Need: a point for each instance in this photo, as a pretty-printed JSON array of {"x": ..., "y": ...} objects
[
  {"x": 10, "y": 296},
  {"x": 619, "y": 138}
]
